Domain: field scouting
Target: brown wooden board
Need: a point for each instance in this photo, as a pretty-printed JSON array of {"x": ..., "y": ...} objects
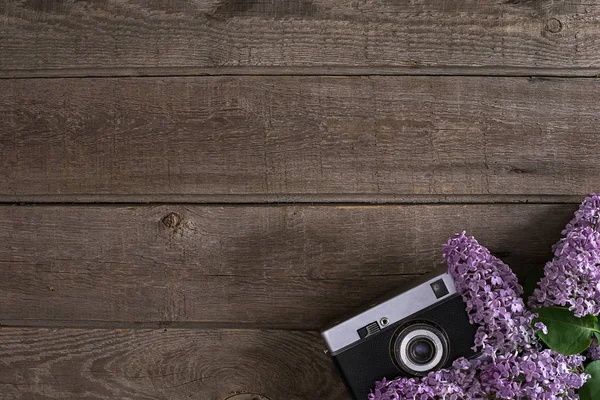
[
  {"x": 128, "y": 35},
  {"x": 293, "y": 267},
  {"x": 169, "y": 364},
  {"x": 303, "y": 135}
]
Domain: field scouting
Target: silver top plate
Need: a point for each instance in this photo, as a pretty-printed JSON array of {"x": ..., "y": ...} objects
[{"x": 341, "y": 334}]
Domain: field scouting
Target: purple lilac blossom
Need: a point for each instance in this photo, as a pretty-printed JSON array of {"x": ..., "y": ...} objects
[
  {"x": 533, "y": 375},
  {"x": 593, "y": 352},
  {"x": 572, "y": 278},
  {"x": 514, "y": 368},
  {"x": 492, "y": 294}
]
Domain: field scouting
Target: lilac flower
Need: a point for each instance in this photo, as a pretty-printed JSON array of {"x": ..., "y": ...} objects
[
  {"x": 514, "y": 367},
  {"x": 532, "y": 375},
  {"x": 540, "y": 326},
  {"x": 572, "y": 278},
  {"x": 492, "y": 294},
  {"x": 593, "y": 352},
  {"x": 458, "y": 383}
]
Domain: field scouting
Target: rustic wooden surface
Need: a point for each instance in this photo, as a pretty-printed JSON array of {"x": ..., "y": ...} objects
[
  {"x": 318, "y": 135},
  {"x": 169, "y": 364},
  {"x": 129, "y": 128},
  {"x": 132, "y": 36},
  {"x": 266, "y": 266}
]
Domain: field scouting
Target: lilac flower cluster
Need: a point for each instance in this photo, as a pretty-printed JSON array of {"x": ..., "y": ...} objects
[
  {"x": 593, "y": 352},
  {"x": 457, "y": 383},
  {"x": 532, "y": 375},
  {"x": 514, "y": 367},
  {"x": 492, "y": 294},
  {"x": 572, "y": 278}
]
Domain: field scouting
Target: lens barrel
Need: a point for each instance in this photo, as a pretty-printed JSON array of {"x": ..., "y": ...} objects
[{"x": 419, "y": 348}]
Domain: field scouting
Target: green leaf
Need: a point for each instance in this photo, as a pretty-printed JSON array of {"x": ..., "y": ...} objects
[
  {"x": 591, "y": 389},
  {"x": 567, "y": 334}
]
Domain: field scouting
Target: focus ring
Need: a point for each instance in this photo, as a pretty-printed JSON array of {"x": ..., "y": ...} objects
[{"x": 411, "y": 334}]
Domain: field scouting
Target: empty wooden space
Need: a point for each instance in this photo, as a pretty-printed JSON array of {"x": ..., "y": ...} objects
[
  {"x": 192, "y": 36},
  {"x": 319, "y": 135},
  {"x": 165, "y": 363},
  {"x": 264, "y": 266},
  {"x": 188, "y": 187}
]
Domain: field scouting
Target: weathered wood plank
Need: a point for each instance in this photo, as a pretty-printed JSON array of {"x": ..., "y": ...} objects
[
  {"x": 272, "y": 135},
  {"x": 290, "y": 198},
  {"x": 133, "y": 34},
  {"x": 261, "y": 266},
  {"x": 165, "y": 364}
]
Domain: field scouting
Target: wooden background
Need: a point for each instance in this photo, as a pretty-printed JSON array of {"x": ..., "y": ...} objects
[{"x": 189, "y": 189}]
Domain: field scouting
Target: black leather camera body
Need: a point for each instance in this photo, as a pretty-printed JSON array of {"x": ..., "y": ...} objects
[{"x": 414, "y": 330}]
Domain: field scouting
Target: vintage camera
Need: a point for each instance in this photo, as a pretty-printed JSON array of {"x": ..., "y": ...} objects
[{"x": 416, "y": 329}]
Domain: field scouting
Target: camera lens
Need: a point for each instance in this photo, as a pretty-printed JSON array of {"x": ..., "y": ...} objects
[{"x": 419, "y": 348}]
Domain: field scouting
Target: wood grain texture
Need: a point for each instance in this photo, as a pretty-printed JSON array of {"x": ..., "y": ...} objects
[
  {"x": 67, "y": 34},
  {"x": 293, "y": 267},
  {"x": 171, "y": 364},
  {"x": 274, "y": 135}
]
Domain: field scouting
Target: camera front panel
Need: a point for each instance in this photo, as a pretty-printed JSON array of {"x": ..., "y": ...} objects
[{"x": 375, "y": 356}]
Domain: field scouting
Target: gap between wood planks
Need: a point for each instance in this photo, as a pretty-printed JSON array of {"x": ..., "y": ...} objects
[
  {"x": 165, "y": 325},
  {"x": 286, "y": 199},
  {"x": 161, "y": 72}
]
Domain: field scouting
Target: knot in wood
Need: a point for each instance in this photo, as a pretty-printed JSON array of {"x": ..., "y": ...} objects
[
  {"x": 553, "y": 25},
  {"x": 172, "y": 220}
]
